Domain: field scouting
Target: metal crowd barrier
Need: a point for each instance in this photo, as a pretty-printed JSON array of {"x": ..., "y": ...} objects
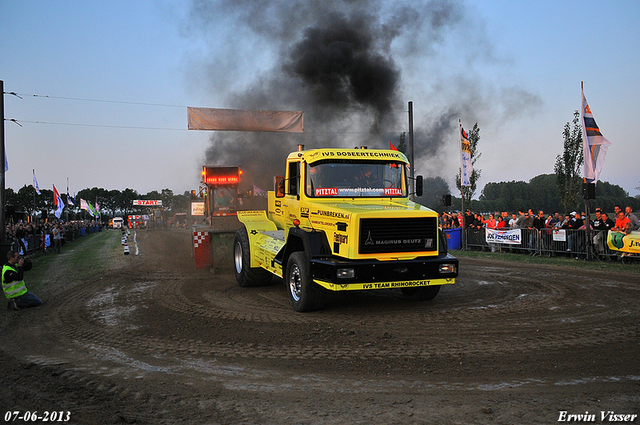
[
  {"x": 568, "y": 242},
  {"x": 36, "y": 243}
]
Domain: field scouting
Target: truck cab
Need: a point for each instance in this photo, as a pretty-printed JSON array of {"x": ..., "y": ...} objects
[{"x": 341, "y": 219}]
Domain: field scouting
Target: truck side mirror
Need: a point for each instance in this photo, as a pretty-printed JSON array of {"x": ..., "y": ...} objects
[
  {"x": 279, "y": 186},
  {"x": 418, "y": 185}
]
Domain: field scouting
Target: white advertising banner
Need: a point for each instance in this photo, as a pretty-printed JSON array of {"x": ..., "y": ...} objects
[
  {"x": 197, "y": 208},
  {"x": 560, "y": 235},
  {"x": 513, "y": 237},
  {"x": 245, "y": 120}
]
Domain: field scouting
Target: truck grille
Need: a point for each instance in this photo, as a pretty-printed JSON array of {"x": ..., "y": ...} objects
[{"x": 387, "y": 235}]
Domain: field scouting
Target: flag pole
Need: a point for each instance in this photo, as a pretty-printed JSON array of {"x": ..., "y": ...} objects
[
  {"x": 34, "y": 196},
  {"x": 464, "y": 237},
  {"x": 3, "y": 228},
  {"x": 464, "y": 215},
  {"x": 413, "y": 165},
  {"x": 67, "y": 203},
  {"x": 589, "y": 244}
]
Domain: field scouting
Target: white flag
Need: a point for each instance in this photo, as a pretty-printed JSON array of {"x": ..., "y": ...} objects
[
  {"x": 594, "y": 145},
  {"x": 465, "y": 158},
  {"x": 35, "y": 183}
]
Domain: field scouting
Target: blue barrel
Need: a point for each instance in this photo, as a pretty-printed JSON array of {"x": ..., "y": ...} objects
[{"x": 454, "y": 238}]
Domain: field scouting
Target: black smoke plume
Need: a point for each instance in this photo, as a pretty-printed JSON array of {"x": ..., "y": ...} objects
[
  {"x": 350, "y": 65},
  {"x": 342, "y": 67}
]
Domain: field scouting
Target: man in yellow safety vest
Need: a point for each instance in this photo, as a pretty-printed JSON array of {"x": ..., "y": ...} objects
[{"x": 13, "y": 282}]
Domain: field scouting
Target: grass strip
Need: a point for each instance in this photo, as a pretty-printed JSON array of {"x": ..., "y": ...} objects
[
  {"x": 83, "y": 257},
  {"x": 612, "y": 266}
]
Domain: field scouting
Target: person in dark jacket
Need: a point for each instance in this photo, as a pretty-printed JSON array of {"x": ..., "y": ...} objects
[
  {"x": 575, "y": 223},
  {"x": 601, "y": 225},
  {"x": 21, "y": 234}
]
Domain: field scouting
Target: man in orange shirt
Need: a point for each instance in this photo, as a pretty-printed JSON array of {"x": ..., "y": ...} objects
[{"x": 621, "y": 222}]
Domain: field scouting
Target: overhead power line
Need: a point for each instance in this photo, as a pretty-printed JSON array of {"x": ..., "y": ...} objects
[
  {"x": 45, "y": 96},
  {"x": 20, "y": 122},
  {"x": 80, "y": 99},
  {"x": 96, "y": 125}
]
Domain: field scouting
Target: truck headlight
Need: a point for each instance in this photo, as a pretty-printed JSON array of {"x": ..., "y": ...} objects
[
  {"x": 447, "y": 268},
  {"x": 346, "y": 273}
]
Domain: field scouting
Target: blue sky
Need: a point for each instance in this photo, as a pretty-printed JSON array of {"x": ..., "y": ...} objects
[{"x": 120, "y": 74}]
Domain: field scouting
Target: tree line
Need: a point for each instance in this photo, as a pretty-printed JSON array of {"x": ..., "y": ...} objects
[
  {"x": 539, "y": 193},
  {"x": 111, "y": 202}
]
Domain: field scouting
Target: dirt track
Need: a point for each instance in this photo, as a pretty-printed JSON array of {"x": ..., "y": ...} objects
[{"x": 153, "y": 340}]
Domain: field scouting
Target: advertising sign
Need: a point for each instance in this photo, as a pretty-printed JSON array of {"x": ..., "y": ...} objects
[
  {"x": 146, "y": 202},
  {"x": 559, "y": 235},
  {"x": 621, "y": 241},
  {"x": 513, "y": 237},
  {"x": 197, "y": 208}
]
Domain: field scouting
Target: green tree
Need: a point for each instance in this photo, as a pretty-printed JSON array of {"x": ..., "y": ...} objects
[
  {"x": 402, "y": 143},
  {"x": 544, "y": 194},
  {"x": 45, "y": 201},
  {"x": 181, "y": 203},
  {"x": 167, "y": 199},
  {"x": 125, "y": 201},
  {"x": 154, "y": 195},
  {"x": 567, "y": 167},
  {"x": 434, "y": 188},
  {"x": 114, "y": 195},
  {"x": 540, "y": 193},
  {"x": 469, "y": 191},
  {"x": 24, "y": 199}
]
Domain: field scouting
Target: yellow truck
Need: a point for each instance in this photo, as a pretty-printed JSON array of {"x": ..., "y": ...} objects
[{"x": 341, "y": 220}]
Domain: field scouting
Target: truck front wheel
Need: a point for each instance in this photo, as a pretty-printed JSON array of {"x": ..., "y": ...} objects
[
  {"x": 246, "y": 275},
  {"x": 303, "y": 293},
  {"x": 421, "y": 293}
]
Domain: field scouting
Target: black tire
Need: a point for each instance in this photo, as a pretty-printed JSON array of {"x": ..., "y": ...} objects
[
  {"x": 421, "y": 293},
  {"x": 246, "y": 276},
  {"x": 304, "y": 294}
]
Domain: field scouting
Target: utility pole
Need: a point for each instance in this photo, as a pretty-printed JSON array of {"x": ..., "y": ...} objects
[
  {"x": 411, "y": 162},
  {"x": 3, "y": 229}
]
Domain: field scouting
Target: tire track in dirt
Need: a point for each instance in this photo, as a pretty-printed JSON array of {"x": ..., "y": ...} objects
[
  {"x": 155, "y": 341},
  {"x": 503, "y": 309}
]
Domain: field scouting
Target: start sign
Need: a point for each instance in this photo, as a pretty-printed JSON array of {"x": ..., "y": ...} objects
[{"x": 147, "y": 202}]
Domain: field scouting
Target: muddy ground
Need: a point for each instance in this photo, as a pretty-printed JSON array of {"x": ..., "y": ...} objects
[{"x": 153, "y": 340}]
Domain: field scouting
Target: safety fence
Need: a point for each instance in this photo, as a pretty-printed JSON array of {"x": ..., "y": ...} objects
[
  {"x": 548, "y": 242},
  {"x": 43, "y": 241}
]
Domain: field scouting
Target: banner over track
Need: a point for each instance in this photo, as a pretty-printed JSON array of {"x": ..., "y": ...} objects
[{"x": 245, "y": 120}]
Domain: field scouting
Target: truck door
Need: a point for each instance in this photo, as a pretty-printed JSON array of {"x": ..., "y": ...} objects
[{"x": 292, "y": 195}]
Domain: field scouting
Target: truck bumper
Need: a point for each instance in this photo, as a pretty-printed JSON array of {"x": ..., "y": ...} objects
[{"x": 373, "y": 274}]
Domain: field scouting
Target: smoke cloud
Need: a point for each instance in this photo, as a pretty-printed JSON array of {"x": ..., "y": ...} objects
[
  {"x": 342, "y": 68},
  {"x": 351, "y": 66}
]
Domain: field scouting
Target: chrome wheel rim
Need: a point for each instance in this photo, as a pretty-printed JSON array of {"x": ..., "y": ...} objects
[
  {"x": 295, "y": 282},
  {"x": 237, "y": 257}
]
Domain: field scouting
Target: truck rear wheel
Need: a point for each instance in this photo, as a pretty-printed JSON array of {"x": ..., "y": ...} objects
[
  {"x": 421, "y": 293},
  {"x": 304, "y": 294},
  {"x": 246, "y": 275}
]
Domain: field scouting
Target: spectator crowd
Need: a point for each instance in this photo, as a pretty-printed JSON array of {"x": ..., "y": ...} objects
[
  {"x": 28, "y": 238},
  {"x": 620, "y": 221}
]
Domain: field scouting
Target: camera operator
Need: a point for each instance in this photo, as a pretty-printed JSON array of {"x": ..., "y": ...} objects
[{"x": 13, "y": 284}]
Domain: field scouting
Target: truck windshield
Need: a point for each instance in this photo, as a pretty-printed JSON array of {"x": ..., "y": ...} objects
[{"x": 349, "y": 178}]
